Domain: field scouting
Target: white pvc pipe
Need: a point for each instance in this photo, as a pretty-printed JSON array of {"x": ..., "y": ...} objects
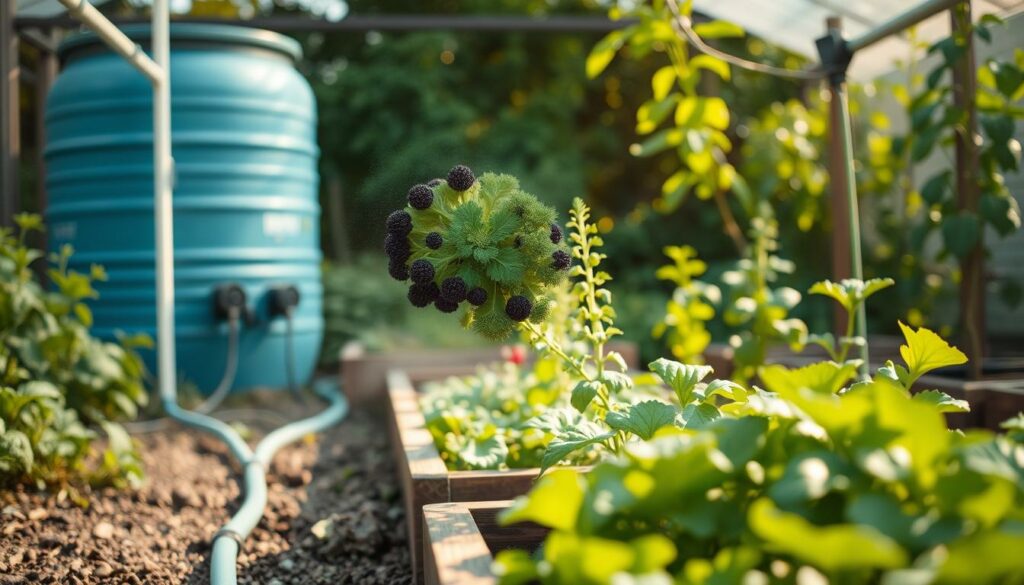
[
  {"x": 163, "y": 175},
  {"x": 117, "y": 40}
]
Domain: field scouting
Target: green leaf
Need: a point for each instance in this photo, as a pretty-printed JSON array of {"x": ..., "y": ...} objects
[
  {"x": 642, "y": 419},
  {"x": 960, "y": 233},
  {"x": 604, "y": 51},
  {"x": 925, "y": 142},
  {"x": 583, "y": 393},
  {"x": 925, "y": 351},
  {"x": 718, "y": 29},
  {"x": 483, "y": 453},
  {"x": 506, "y": 267},
  {"x": 698, "y": 416},
  {"x": 571, "y": 440},
  {"x": 617, "y": 381},
  {"x": 835, "y": 547},
  {"x": 942, "y": 402},
  {"x": 662, "y": 81},
  {"x": 554, "y": 501},
  {"x": 850, "y": 292},
  {"x": 681, "y": 378},
  {"x": 15, "y": 453},
  {"x": 821, "y": 377},
  {"x": 986, "y": 557},
  {"x": 715, "y": 65},
  {"x": 935, "y": 189}
]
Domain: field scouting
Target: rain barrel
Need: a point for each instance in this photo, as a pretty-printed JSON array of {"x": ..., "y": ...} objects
[{"x": 245, "y": 196}]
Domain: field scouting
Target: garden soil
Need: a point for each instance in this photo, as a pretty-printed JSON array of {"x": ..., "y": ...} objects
[{"x": 334, "y": 515}]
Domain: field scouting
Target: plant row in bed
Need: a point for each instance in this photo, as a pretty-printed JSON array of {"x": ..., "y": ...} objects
[{"x": 824, "y": 471}]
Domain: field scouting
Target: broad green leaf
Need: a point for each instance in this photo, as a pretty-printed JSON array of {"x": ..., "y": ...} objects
[
  {"x": 698, "y": 415},
  {"x": 554, "y": 501},
  {"x": 653, "y": 553},
  {"x": 925, "y": 351},
  {"x": 960, "y": 233},
  {"x": 15, "y": 453},
  {"x": 718, "y": 29},
  {"x": 642, "y": 419},
  {"x": 821, "y": 377},
  {"x": 587, "y": 560},
  {"x": 583, "y": 393},
  {"x": 988, "y": 557},
  {"x": 942, "y": 402},
  {"x": 809, "y": 477},
  {"x": 835, "y": 547},
  {"x": 682, "y": 378},
  {"x": 571, "y": 440}
]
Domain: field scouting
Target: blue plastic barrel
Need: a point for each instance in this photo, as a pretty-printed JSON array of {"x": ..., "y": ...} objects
[{"x": 245, "y": 198}]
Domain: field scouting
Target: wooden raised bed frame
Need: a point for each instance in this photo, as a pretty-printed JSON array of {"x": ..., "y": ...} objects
[
  {"x": 461, "y": 539},
  {"x": 423, "y": 476}
]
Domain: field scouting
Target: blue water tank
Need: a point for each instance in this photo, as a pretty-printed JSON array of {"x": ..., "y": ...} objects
[{"x": 245, "y": 197}]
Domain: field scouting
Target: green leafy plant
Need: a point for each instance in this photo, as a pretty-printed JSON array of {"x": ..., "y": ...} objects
[
  {"x": 851, "y": 294},
  {"x": 487, "y": 420},
  {"x": 691, "y": 306},
  {"x": 759, "y": 310},
  {"x": 808, "y": 480},
  {"x": 55, "y": 379},
  {"x": 680, "y": 116},
  {"x": 484, "y": 242}
]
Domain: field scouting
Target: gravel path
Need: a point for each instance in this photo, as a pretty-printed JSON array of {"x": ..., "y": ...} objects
[{"x": 334, "y": 516}]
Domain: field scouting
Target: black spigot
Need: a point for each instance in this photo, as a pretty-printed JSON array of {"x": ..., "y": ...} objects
[
  {"x": 282, "y": 300},
  {"x": 229, "y": 300}
]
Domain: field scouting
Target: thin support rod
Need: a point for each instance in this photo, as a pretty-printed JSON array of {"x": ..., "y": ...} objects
[
  {"x": 899, "y": 22},
  {"x": 114, "y": 38},
  {"x": 162, "y": 204},
  {"x": 840, "y": 110}
]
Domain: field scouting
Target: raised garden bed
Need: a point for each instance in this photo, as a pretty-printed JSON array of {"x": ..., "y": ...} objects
[
  {"x": 422, "y": 474},
  {"x": 460, "y": 541}
]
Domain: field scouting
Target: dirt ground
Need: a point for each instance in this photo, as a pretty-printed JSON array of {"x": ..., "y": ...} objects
[{"x": 334, "y": 516}]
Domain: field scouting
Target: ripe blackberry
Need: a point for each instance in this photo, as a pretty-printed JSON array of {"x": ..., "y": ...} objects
[
  {"x": 476, "y": 296},
  {"x": 460, "y": 178},
  {"x": 422, "y": 271},
  {"x": 556, "y": 233},
  {"x": 434, "y": 240},
  {"x": 397, "y": 248},
  {"x": 399, "y": 222},
  {"x": 453, "y": 289},
  {"x": 518, "y": 308},
  {"x": 398, "y": 270},
  {"x": 421, "y": 196},
  {"x": 445, "y": 306},
  {"x": 560, "y": 260},
  {"x": 421, "y": 295}
]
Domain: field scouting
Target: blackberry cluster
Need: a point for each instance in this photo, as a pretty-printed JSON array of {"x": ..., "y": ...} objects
[{"x": 483, "y": 242}]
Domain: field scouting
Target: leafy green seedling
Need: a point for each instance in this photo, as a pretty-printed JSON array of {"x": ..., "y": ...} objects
[{"x": 851, "y": 294}]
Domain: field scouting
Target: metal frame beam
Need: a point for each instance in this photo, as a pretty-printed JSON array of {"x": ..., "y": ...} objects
[
  {"x": 10, "y": 131},
  {"x": 383, "y": 23}
]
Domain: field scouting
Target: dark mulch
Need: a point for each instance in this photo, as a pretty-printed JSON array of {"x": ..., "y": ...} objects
[{"x": 334, "y": 516}]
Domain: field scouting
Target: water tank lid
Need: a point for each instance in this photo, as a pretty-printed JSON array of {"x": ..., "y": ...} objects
[{"x": 201, "y": 33}]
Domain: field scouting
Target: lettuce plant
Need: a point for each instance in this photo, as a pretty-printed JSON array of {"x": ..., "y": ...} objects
[
  {"x": 483, "y": 242},
  {"x": 58, "y": 384},
  {"x": 810, "y": 480}
]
